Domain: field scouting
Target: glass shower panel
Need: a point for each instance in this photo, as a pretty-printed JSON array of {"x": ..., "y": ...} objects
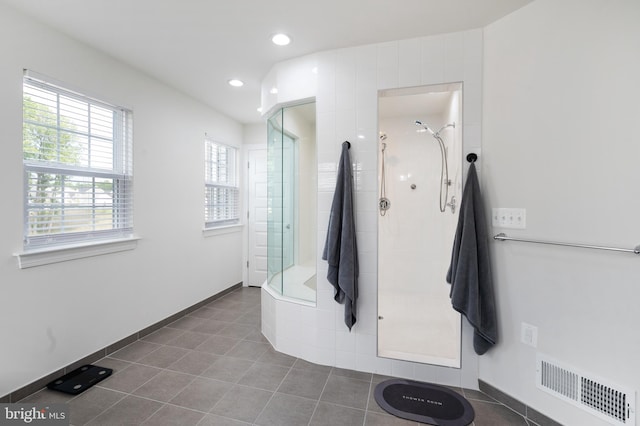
[
  {"x": 292, "y": 202},
  {"x": 274, "y": 202}
]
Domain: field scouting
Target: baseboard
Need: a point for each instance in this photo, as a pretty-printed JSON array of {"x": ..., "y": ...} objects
[
  {"x": 35, "y": 386},
  {"x": 521, "y": 408}
]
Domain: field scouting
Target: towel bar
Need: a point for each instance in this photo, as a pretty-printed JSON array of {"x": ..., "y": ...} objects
[{"x": 504, "y": 237}]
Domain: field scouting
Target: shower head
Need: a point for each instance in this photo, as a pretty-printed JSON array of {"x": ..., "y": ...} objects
[{"x": 424, "y": 127}]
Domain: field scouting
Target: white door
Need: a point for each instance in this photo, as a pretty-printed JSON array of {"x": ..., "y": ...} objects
[{"x": 257, "y": 222}]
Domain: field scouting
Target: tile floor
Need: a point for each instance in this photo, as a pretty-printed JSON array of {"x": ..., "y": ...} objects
[{"x": 214, "y": 367}]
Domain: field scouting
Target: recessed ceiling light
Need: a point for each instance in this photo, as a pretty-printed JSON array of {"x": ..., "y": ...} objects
[
  {"x": 236, "y": 83},
  {"x": 259, "y": 109},
  {"x": 281, "y": 39}
]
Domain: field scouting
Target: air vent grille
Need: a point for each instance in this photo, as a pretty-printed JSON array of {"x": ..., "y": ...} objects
[{"x": 613, "y": 403}]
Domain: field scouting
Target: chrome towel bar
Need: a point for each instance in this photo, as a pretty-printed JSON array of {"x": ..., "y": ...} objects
[{"x": 504, "y": 237}]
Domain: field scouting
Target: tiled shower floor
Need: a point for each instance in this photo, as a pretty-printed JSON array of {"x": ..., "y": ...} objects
[{"x": 214, "y": 367}]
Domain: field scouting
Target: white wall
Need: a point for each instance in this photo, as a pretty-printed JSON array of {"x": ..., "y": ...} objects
[
  {"x": 561, "y": 106},
  {"x": 56, "y": 314}
]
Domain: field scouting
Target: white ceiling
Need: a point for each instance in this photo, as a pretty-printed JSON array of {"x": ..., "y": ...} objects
[{"x": 197, "y": 45}]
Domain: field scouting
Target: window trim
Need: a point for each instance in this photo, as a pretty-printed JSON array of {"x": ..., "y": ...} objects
[{"x": 50, "y": 255}]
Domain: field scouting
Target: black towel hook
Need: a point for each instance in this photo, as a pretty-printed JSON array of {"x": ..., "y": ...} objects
[
  {"x": 471, "y": 158},
  {"x": 348, "y": 144}
]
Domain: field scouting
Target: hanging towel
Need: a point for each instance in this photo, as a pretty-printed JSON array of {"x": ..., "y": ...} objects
[
  {"x": 470, "y": 271},
  {"x": 340, "y": 249}
]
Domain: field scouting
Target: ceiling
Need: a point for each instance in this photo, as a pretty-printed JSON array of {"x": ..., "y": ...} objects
[{"x": 196, "y": 46}]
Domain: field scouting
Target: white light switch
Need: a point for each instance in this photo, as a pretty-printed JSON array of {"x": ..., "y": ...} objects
[{"x": 509, "y": 218}]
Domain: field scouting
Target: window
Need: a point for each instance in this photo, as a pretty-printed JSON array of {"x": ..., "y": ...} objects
[
  {"x": 221, "y": 193},
  {"x": 77, "y": 167}
]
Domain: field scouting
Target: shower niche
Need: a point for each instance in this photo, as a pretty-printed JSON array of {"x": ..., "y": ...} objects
[
  {"x": 420, "y": 187},
  {"x": 291, "y": 202}
]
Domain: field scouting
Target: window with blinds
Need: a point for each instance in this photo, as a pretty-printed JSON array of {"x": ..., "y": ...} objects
[
  {"x": 77, "y": 167},
  {"x": 221, "y": 192}
]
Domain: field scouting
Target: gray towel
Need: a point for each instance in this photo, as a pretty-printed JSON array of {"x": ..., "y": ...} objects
[
  {"x": 340, "y": 249},
  {"x": 470, "y": 271}
]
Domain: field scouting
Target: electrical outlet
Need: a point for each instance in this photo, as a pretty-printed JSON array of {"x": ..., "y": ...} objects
[
  {"x": 529, "y": 334},
  {"x": 509, "y": 218}
]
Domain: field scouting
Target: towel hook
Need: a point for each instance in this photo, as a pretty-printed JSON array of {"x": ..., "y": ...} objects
[
  {"x": 472, "y": 157},
  {"x": 348, "y": 144}
]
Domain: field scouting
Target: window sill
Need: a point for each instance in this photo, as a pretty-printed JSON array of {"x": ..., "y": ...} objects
[
  {"x": 47, "y": 256},
  {"x": 221, "y": 230}
]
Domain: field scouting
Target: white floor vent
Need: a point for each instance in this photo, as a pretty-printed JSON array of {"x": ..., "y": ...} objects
[{"x": 612, "y": 403}]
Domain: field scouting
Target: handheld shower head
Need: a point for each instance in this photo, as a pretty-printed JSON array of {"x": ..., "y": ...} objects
[{"x": 424, "y": 126}]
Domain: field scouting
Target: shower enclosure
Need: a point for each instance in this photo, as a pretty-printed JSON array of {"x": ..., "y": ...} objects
[
  {"x": 420, "y": 175},
  {"x": 291, "y": 202}
]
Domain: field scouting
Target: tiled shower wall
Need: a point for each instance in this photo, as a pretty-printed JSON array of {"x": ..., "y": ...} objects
[{"x": 345, "y": 85}]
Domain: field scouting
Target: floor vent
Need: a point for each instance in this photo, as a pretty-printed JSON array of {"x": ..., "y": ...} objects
[{"x": 612, "y": 403}]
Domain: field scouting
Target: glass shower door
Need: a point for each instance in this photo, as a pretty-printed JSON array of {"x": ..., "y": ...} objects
[{"x": 281, "y": 202}]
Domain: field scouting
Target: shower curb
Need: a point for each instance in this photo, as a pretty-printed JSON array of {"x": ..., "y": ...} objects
[{"x": 37, "y": 385}]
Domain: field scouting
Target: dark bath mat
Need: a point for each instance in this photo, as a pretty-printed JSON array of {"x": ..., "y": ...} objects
[
  {"x": 80, "y": 379},
  {"x": 424, "y": 403}
]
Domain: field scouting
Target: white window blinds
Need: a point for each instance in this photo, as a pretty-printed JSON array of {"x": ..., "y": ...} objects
[
  {"x": 77, "y": 166},
  {"x": 221, "y": 193}
]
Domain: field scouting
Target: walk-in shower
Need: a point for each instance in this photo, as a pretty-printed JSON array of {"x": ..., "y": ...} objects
[{"x": 416, "y": 321}]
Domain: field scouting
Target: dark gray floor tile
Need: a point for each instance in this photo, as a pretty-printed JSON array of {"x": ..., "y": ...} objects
[
  {"x": 332, "y": 415},
  {"x": 228, "y": 369},
  {"x": 242, "y": 403},
  {"x": 274, "y": 357},
  {"x": 287, "y": 410},
  {"x": 492, "y": 414},
  {"x": 264, "y": 376},
  {"x": 135, "y": 351},
  {"x": 163, "y": 356},
  {"x": 163, "y": 335},
  {"x": 129, "y": 411},
  {"x": 304, "y": 383},
  {"x": 249, "y": 350},
  {"x": 372, "y": 404},
  {"x": 210, "y": 326},
  {"x": 256, "y": 336},
  {"x": 188, "y": 340},
  {"x": 249, "y": 319},
  {"x": 218, "y": 345},
  {"x": 164, "y": 386},
  {"x": 346, "y": 391},
  {"x": 204, "y": 312},
  {"x": 202, "y": 394},
  {"x": 92, "y": 403},
  {"x": 130, "y": 379},
  {"x": 116, "y": 365},
  {"x": 186, "y": 323},
  {"x": 226, "y": 315},
  {"x": 236, "y": 331},
  {"x": 194, "y": 363},
  {"x": 375, "y": 419},
  {"x": 377, "y": 378},
  {"x": 170, "y": 415},
  {"x": 213, "y": 420}
]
